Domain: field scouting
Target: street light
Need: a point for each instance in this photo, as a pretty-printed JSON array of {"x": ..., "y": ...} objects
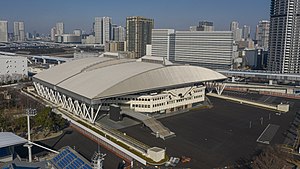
[{"x": 29, "y": 112}]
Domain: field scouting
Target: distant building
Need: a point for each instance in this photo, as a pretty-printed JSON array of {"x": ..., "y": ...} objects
[
  {"x": 89, "y": 39},
  {"x": 3, "y": 31},
  {"x": 102, "y": 29},
  {"x": 139, "y": 34},
  {"x": 60, "y": 28},
  {"x": 256, "y": 58},
  {"x": 262, "y": 34},
  {"x": 205, "y": 26},
  {"x": 237, "y": 32},
  {"x": 163, "y": 43},
  {"x": 119, "y": 34},
  {"x": 114, "y": 46},
  {"x": 77, "y": 32},
  {"x": 193, "y": 28},
  {"x": 53, "y": 33},
  {"x": 68, "y": 39},
  {"x": 234, "y": 25},
  {"x": 284, "y": 49},
  {"x": 210, "y": 49},
  {"x": 19, "y": 31},
  {"x": 246, "y": 32}
]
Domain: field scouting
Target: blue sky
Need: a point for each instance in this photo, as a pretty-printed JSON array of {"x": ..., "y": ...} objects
[{"x": 41, "y": 15}]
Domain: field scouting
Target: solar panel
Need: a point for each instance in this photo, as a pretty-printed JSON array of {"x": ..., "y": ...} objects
[{"x": 66, "y": 159}]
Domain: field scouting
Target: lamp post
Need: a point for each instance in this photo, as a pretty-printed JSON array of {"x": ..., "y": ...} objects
[{"x": 29, "y": 112}]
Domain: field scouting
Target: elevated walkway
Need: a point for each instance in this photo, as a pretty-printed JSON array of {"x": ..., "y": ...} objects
[{"x": 156, "y": 127}]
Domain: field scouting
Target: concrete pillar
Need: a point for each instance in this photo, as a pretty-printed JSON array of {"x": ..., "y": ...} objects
[
  {"x": 44, "y": 61},
  {"x": 270, "y": 82},
  {"x": 232, "y": 79}
]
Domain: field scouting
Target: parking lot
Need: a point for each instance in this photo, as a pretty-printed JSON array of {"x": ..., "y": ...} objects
[{"x": 223, "y": 135}]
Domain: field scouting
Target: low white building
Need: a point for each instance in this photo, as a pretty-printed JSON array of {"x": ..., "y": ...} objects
[{"x": 12, "y": 68}]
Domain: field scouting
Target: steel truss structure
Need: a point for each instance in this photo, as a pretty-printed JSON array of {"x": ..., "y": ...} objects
[
  {"x": 82, "y": 110},
  {"x": 219, "y": 87}
]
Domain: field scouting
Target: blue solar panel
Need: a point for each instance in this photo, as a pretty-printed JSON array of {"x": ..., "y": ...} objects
[{"x": 66, "y": 159}]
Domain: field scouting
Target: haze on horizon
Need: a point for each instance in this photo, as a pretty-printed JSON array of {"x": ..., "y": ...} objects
[{"x": 41, "y": 16}]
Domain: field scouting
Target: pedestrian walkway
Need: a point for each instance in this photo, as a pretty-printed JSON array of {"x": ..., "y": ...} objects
[{"x": 156, "y": 127}]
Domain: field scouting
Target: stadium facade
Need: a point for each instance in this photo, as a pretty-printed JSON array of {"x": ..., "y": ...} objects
[{"x": 87, "y": 86}]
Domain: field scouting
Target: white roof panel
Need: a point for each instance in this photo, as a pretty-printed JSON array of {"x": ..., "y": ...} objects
[{"x": 9, "y": 139}]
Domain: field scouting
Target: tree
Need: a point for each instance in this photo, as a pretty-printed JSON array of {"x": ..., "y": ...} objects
[{"x": 271, "y": 158}]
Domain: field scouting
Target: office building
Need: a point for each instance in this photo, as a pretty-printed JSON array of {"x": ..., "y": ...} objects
[
  {"x": 119, "y": 34},
  {"x": 204, "y": 48},
  {"x": 60, "y": 28},
  {"x": 138, "y": 33},
  {"x": 246, "y": 32},
  {"x": 19, "y": 31},
  {"x": 3, "y": 31},
  {"x": 262, "y": 34},
  {"x": 284, "y": 41},
  {"x": 205, "y": 26},
  {"x": 102, "y": 29},
  {"x": 163, "y": 43},
  {"x": 77, "y": 32}
]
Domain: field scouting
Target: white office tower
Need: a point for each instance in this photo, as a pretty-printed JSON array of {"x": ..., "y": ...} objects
[
  {"x": 262, "y": 34},
  {"x": 246, "y": 32},
  {"x": 60, "y": 28},
  {"x": 163, "y": 43},
  {"x": 53, "y": 33},
  {"x": 3, "y": 31},
  {"x": 284, "y": 41},
  {"x": 119, "y": 34},
  {"x": 211, "y": 49},
  {"x": 19, "y": 31},
  {"x": 102, "y": 29},
  {"x": 237, "y": 32}
]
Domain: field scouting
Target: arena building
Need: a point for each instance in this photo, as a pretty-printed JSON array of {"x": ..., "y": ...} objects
[{"x": 151, "y": 85}]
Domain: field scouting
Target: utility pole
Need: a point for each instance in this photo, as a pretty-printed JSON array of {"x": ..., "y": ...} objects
[{"x": 29, "y": 112}]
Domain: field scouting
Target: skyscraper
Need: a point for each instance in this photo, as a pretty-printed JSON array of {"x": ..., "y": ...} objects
[
  {"x": 139, "y": 33},
  {"x": 102, "y": 29},
  {"x": 19, "y": 31},
  {"x": 284, "y": 41},
  {"x": 246, "y": 32},
  {"x": 3, "y": 31},
  {"x": 119, "y": 34},
  {"x": 237, "y": 32},
  {"x": 262, "y": 34},
  {"x": 205, "y": 26},
  {"x": 60, "y": 28},
  {"x": 53, "y": 33}
]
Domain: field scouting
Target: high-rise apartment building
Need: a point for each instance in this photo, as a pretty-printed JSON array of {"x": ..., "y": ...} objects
[
  {"x": 284, "y": 41},
  {"x": 163, "y": 43},
  {"x": 102, "y": 29},
  {"x": 262, "y": 34},
  {"x": 19, "y": 31},
  {"x": 138, "y": 33},
  {"x": 119, "y": 34},
  {"x": 60, "y": 28},
  {"x": 3, "y": 31},
  {"x": 53, "y": 33},
  {"x": 205, "y": 26},
  {"x": 237, "y": 32},
  {"x": 246, "y": 32}
]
